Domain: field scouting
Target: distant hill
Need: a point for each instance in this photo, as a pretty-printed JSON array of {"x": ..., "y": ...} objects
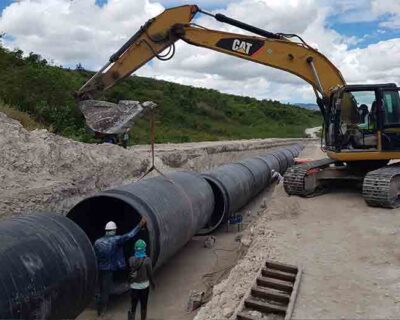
[
  {"x": 308, "y": 106},
  {"x": 46, "y": 93}
]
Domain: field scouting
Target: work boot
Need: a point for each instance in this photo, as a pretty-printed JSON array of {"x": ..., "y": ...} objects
[{"x": 99, "y": 309}]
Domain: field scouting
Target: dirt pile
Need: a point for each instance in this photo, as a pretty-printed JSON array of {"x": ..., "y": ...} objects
[
  {"x": 42, "y": 171},
  {"x": 38, "y": 167}
]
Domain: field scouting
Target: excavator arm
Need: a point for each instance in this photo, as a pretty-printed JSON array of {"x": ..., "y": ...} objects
[{"x": 270, "y": 49}]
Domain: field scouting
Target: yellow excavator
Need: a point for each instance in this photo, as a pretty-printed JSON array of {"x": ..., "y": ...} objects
[{"x": 361, "y": 123}]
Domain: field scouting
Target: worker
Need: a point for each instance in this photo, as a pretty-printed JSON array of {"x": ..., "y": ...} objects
[
  {"x": 110, "y": 258},
  {"x": 276, "y": 176},
  {"x": 141, "y": 278},
  {"x": 125, "y": 139}
]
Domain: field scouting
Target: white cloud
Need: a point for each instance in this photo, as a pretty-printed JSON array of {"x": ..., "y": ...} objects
[
  {"x": 369, "y": 10},
  {"x": 204, "y": 3},
  {"x": 390, "y": 8},
  {"x": 79, "y": 31},
  {"x": 69, "y": 32},
  {"x": 377, "y": 63}
]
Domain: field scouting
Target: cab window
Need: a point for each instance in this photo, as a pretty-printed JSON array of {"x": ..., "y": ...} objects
[
  {"x": 357, "y": 107},
  {"x": 391, "y": 102}
]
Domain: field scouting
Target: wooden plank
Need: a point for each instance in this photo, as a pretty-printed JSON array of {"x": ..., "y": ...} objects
[
  {"x": 244, "y": 316},
  {"x": 269, "y": 294},
  {"x": 294, "y": 294},
  {"x": 280, "y": 275},
  {"x": 275, "y": 284},
  {"x": 240, "y": 307},
  {"x": 264, "y": 306},
  {"x": 281, "y": 266}
]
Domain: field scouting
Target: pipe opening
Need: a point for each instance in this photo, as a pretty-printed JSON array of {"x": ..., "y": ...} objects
[
  {"x": 93, "y": 213},
  {"x": 220, "y": 210}
]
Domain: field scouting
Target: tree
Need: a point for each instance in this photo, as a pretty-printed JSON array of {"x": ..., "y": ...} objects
[{"x": 79, "y": 67}]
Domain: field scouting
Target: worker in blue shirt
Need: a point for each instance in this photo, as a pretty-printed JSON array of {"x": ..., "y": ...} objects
[{"x": 110, "y": 258}]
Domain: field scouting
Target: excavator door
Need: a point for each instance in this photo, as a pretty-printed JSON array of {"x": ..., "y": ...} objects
[{"x": 390, "y": 119}]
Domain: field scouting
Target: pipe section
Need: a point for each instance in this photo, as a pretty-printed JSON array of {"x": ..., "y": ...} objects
[
  {"x": 237, "y": 183},
  {"x": 272, "y": 161},
  {"x": 181, "y": 205},
  {"x": 48, "y": 268},
  {"x": 175, "y": 206}
]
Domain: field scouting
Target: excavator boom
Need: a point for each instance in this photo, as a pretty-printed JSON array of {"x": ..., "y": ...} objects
[{"x": 161, "y": 33}]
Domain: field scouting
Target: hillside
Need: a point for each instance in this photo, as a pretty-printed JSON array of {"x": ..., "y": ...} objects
[
  {"x": 30, "y": 85},
  {"x": 309, "y": 106}
]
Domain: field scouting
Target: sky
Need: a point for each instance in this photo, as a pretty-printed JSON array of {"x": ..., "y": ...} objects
[{"x": 361, "y": 37}]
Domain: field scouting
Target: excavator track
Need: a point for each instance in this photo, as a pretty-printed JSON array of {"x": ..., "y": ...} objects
[
  {"x": 381, "y": 187},
  {"x": 294, "y": 180}
]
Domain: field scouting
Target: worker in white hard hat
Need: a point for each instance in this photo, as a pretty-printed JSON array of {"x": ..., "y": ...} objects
[{"x": 110, "y": 258}]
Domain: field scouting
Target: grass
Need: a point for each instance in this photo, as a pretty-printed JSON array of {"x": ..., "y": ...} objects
[
  {"x": 42, "y": 95},
  {"x": 27, "y": 121}
]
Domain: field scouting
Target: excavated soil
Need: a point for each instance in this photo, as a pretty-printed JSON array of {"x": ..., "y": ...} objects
[
  {"x": 349, "y": 253},
  {"x": 40, "y": 171}
]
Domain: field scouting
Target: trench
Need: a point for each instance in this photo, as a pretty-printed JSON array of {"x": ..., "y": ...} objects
[
  {"x": 231, "y": 187},
  {"x": 176, "y": 206}
]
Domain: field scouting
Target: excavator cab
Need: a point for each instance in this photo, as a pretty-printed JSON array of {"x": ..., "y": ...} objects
[{"x": 364, "y": 117}]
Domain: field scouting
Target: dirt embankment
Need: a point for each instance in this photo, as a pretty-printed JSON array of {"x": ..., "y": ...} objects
[
  {"x": 42, "y": 171},
  {"x": 349, "y": 253}
]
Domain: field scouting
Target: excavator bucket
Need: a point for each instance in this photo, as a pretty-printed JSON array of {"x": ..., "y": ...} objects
[{"x": 110, "y": 118}]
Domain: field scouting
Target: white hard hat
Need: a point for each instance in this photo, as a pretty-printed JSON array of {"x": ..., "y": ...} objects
[{"x": 111, "y": 226}]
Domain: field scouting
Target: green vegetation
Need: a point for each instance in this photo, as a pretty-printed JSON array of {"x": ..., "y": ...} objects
[
  {"x": 46, "y": 94},
  {"x": 26, "y": 120}
]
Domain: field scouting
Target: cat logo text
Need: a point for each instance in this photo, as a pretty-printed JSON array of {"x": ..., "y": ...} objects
[
  {"x": 241, "y": 46},
  {"x": 244, "y": 46}
]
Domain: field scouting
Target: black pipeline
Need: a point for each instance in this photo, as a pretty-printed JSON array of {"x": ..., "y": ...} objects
[
  {"x": 48, "y": 268},
  {"x": 181, "y": 204},
  {"x": 175, "y": 206},
  {"x": 235, "y": 184},
  {"x": 47, "y": 264}
]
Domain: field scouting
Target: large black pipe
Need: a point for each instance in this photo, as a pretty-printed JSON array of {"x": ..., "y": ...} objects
[
  {"x": 261, "y": 173},
  {"x": 175, "y": 206},
  {"x": 182, "y": 205},
  {"x": 289, "y": 157},
  {"x": 272, "y": 161},
  {"x": 233, "y": 183},
  {"x": 237, "y": 183},
  {"x": 282, "y": 159},
  {"x": 48, "y": 268}
]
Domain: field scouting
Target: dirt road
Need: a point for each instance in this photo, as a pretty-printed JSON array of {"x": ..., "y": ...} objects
[
  {"x": 350, "y": 254},
  {"x": 312, "y": 132}
]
